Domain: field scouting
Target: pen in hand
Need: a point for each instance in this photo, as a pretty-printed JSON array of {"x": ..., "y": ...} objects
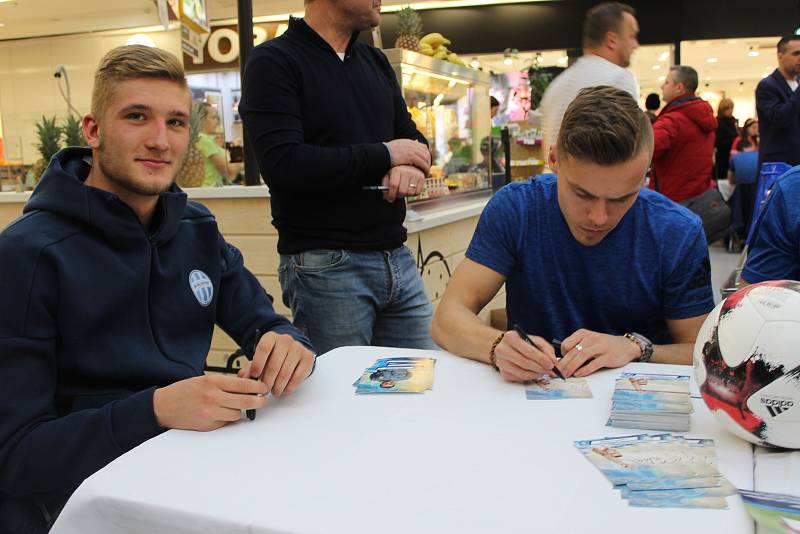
[
  {"x": 375, "y": 188},
  {"x": 530, "y": 342}
]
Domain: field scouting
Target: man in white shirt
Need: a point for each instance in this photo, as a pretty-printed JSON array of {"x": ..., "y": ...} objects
[{"x": 610, "y": 35}]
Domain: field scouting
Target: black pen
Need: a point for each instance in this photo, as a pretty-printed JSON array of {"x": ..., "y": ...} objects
[
  {"x": 251, "y": 414},
  {"x": 530, "y": 342}
]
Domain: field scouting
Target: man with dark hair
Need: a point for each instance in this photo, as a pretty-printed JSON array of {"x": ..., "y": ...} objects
[
  {"x": 619, "y": 272},
  {"x": 651, "y": 105},
  {"x": 112, "y": 284},
  {"x": 778, "y": 107},
  {"x": 684, "y": 134},
  {"x": 610, "y": 35},
  {"x": 331, "y": 129}
]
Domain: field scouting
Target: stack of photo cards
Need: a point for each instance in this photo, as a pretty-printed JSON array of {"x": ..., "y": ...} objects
[
  {"x": 397, "y": 375},
  {"x": 661, "y": 471},
  {"x": 550, "y": 388},
  {"x": 651, "y": 401}
]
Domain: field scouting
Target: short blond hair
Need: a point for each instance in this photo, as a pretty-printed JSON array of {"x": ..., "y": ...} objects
[
  {"x": 130, "y": 62},
  {"x": 604, "y": 125}
]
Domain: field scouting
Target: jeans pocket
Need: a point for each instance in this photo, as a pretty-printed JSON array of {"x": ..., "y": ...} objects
[{"x": 320, "y": 260}]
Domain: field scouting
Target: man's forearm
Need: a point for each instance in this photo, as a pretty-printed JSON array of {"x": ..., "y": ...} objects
[
  {"x": 459, "y": 331},
  {"x": 676, "y": 353}
]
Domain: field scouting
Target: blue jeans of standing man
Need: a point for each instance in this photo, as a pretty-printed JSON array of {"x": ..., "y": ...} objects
[{"x": 357, "y": 297}]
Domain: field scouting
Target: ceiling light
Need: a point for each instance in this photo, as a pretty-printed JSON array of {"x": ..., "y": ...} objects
[
  {"x": 141, "y": 39},
  {"x": 563, "y": 60},
  {"x": 663, "y": 56},
  {"x": 474, "y": 63},
  {"x": 662, "y": 78},
  {"x": 656, "y": 67},
  {"x": 753, "y": 52},
  {"x": 712, "y": 60},
  {"x": 508, "y": 61}
]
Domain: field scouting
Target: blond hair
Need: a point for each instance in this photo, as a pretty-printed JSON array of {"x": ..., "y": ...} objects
[
  {"x": 724, "y": 105},
  {"x": 130, "y": 62},
  {"x": 604, "y": 125}
]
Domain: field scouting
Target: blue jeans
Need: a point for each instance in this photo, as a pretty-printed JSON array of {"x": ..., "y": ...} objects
[{"x": 357, "y": 297}]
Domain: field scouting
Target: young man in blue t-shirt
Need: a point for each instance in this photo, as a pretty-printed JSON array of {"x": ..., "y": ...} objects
[
  {"x": 618, "y": 272},
  {"x": 775, "y": 251}
]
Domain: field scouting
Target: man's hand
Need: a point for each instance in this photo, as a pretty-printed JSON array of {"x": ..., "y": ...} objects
[
  {"x": 206, "y": 402},
  {"x": 602, "y": 349},
  {"x": 520, "y": 362},
  {"x": 403, "y": 181},
  {"x": 280, "y": 362},
  {"x": 410, "y": 152}
]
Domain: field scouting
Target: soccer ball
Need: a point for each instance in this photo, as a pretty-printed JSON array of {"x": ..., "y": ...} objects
[{"x": 747, "y": 363}]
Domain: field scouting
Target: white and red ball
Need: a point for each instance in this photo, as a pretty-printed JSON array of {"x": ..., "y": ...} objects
[{"x": 747, "y": 363}]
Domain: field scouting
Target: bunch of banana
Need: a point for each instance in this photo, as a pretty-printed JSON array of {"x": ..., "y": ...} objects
[{"x": 435, "y": 45}]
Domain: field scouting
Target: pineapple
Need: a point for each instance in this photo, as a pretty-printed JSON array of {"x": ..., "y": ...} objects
[
  {"x": 192, "y": 171},
  {"x": 410, "y": 29},
  {"x": 49, "y": 135},
  {"x": 73, "y": 135}
]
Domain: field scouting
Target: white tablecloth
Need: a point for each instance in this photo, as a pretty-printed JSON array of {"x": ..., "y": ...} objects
[{"x": 472, "y": 455}]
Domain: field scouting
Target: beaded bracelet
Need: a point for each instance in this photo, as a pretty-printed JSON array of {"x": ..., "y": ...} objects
[{"x": 492, "y": 356}]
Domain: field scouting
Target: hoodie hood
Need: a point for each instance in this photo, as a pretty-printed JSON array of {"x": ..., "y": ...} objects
[
  {"x": 62, "y": 191},
  {"x": 696, "y": 109}
]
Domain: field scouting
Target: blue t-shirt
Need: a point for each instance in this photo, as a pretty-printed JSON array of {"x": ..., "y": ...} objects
[
  {"x": 774, "y": 253},
  {"x": 653, "y": 266},
  {"x": 745, "y": 166}
]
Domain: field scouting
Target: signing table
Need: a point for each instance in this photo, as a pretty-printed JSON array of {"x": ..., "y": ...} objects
[{"x": 472, "y": 455}]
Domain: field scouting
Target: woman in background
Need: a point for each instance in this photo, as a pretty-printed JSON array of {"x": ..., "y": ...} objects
[
  {"x": 727, "y": 130},
  {"x": 747, "y": 140},
  {"x": 218, "y": 171}
]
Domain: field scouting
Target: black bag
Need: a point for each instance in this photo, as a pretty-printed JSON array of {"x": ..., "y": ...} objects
[{"x": 713, "y": 211}]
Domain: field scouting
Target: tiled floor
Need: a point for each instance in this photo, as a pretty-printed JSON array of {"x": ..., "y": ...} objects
[{"x": 722, "y": 264}]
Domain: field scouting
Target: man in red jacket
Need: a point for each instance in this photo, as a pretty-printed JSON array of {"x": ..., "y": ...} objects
[{"x": 684, "y": 134}]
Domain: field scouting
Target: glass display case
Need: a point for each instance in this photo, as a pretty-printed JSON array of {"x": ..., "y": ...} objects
[{"x": 450, "y": 105}]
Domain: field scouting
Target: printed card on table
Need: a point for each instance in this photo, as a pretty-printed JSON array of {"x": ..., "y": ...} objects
[{"x": 552, "y": 388}]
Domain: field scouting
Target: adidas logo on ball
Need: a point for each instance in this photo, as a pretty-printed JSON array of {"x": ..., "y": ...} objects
[{"x": 776, "y": 407}]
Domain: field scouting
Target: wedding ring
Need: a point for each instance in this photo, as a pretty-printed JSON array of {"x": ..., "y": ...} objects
[{"x": 579, "y": 347}]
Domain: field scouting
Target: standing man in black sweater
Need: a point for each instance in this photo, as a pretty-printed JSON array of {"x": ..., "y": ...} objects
[{"x": 329, "y": 124}]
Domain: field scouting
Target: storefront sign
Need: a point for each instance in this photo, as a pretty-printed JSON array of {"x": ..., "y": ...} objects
[
  {"x": 219, "y": 50},
  {"x": 192, "y": 43}
]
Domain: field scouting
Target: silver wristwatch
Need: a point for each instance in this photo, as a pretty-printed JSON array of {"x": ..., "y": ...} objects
[{"x": 644, "y": 344}]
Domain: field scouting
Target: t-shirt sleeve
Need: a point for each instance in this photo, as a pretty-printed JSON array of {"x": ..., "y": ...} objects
[
  {"x": 687, "y": 288},
  {"x": 494, "y": 244},
  {"x": 207, "y": 146},
  {"x": 628, "y": 83},
  {"x": 773, "y": 253}
]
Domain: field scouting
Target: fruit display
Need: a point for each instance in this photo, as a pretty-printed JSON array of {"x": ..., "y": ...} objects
[
  {"x": 409, "y": 29},
  {"x": 435, "y": 45}
]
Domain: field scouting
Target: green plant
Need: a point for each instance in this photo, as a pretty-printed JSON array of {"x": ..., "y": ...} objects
[
  {"x": 538, "y": 79},
  {"x": 49, "y": 135},
  {"x": 73, "y": 133}
]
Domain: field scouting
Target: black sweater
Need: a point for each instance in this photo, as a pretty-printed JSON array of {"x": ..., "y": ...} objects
[{"x": 318, "y": 124}]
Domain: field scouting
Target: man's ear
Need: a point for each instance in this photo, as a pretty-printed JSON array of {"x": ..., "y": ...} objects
[
  {"x": 91, "y": 130},
  {"x": 611, "y": 40},
  {"x": 552, "y": 159}
]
